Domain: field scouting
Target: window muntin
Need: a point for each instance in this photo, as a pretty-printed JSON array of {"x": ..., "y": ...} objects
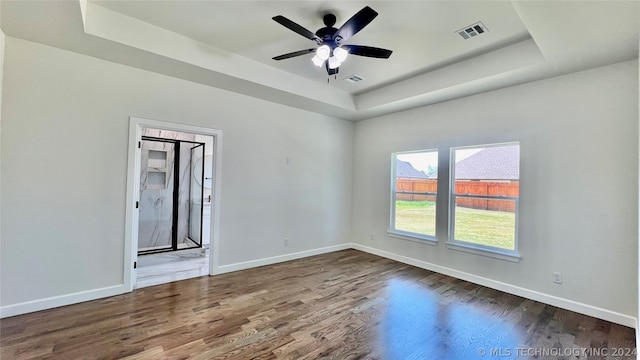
[
  {"x": 413, "y": 194},
  {"x": 484, "y": 197}
]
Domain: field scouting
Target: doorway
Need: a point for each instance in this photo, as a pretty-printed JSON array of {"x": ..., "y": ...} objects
[{"x": 173, "y": 185}]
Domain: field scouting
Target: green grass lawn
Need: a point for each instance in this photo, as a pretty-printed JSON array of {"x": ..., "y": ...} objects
[
  {"x": 486, "y": 227},
  {"x": 416, "y": 217}
]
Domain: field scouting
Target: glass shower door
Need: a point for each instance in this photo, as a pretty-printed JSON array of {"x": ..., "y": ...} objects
[
  {"x": 156, "y": 196},
  {"x": 196, "y": 194}
]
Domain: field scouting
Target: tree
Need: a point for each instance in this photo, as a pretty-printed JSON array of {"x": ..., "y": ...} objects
[{"x": 432, "y": 171}]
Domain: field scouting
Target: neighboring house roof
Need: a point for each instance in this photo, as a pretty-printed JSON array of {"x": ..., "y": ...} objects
[
  {"x": 406, "y": 170},
  {"x": 492, "y": 163}
]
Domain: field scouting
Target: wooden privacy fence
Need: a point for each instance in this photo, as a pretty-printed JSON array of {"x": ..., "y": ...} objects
[{"x": 466, "y": 187}]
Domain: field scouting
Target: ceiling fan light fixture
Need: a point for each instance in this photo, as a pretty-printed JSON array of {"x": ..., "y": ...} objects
[
  {"x": 323, "y": 52},
  {"x": 333, "y": 62},
  {"x": 340, "y": 54},
  {"x": 317, "y": 61}
]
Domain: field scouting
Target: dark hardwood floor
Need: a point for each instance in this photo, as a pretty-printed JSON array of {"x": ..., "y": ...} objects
[{"x": 342, "y": 305}]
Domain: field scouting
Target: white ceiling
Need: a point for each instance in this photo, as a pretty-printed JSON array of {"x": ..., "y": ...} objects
[
  {"x": 230, "y": 45},
  {"x": 246, "y": 28}
]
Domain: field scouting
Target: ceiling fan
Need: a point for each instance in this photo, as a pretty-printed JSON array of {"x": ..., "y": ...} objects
[{"x": 331, "y": 50}]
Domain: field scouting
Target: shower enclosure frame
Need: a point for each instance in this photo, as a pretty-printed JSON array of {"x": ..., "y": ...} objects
[{"x": 175, "y": 196}]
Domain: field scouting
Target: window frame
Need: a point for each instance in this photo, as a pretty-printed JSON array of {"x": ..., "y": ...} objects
[
  {"x": 466, "y": 246},
  {"x": 403, "y": 234}
]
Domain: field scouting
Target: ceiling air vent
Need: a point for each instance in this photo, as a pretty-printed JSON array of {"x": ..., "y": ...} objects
[
  {"x": 472, "y": 30},
  {"x": 353, "y": 78}
]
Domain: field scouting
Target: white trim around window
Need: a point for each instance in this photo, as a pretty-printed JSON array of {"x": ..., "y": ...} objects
[
  {"x": 496, "y": 174},
  {"x": 413, "y": 196}
]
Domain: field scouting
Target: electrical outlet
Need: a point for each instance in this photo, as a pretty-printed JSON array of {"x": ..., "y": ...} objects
[
  {"x": 286, "y": 242},
  {"x": 557, "y": 278},
  {"x": 372, "y": 236}
]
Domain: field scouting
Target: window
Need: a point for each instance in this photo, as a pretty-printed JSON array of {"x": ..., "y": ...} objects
[
  {"x": 413, "y": 194},
  {"x": 483, "y": 208}
]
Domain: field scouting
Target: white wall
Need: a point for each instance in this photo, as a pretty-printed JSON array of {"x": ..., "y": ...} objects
[
  {"x": 64, "y": 161},
  {"x": 579, "y": 185},
  {"x": 2, "y": 41}
]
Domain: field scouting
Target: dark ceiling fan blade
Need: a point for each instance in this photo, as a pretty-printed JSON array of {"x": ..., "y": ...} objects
[
  {"x": 357, "y": 22},
  {"x": 294, "y": 54},
  {"x": 368, "y": 51},
  {"x": 296, "y": 28}
]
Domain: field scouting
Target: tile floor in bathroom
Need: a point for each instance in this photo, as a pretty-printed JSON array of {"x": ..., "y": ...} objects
[{"x": 154, "y": 269}]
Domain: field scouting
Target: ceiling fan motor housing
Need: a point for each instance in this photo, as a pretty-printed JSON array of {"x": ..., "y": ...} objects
[{"x": 326, "y": 33}]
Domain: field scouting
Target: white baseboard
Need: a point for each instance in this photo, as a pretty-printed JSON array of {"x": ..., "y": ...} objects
[
  {"x": 69, "y": 299},
  {"x": 571, "y": 305},
  {"x": 277, "y": 259},
  {"x": 62, "y": 300},
  {"x": 612, "y": 316}
]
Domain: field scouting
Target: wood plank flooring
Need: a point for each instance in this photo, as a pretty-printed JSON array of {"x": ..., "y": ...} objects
[{"x": 342, "y": 305}]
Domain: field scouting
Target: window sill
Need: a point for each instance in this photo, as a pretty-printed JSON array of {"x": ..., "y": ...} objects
[
  {"x": 496, "y": 254},
  {"x": 413, "y": 237}
]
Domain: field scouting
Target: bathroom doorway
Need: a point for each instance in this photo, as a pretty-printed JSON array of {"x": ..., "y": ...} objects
[{"x": 172, "y": 229}]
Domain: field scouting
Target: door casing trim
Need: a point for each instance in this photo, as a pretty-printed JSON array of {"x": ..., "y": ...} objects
[{"x": 136, "y": 125}]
